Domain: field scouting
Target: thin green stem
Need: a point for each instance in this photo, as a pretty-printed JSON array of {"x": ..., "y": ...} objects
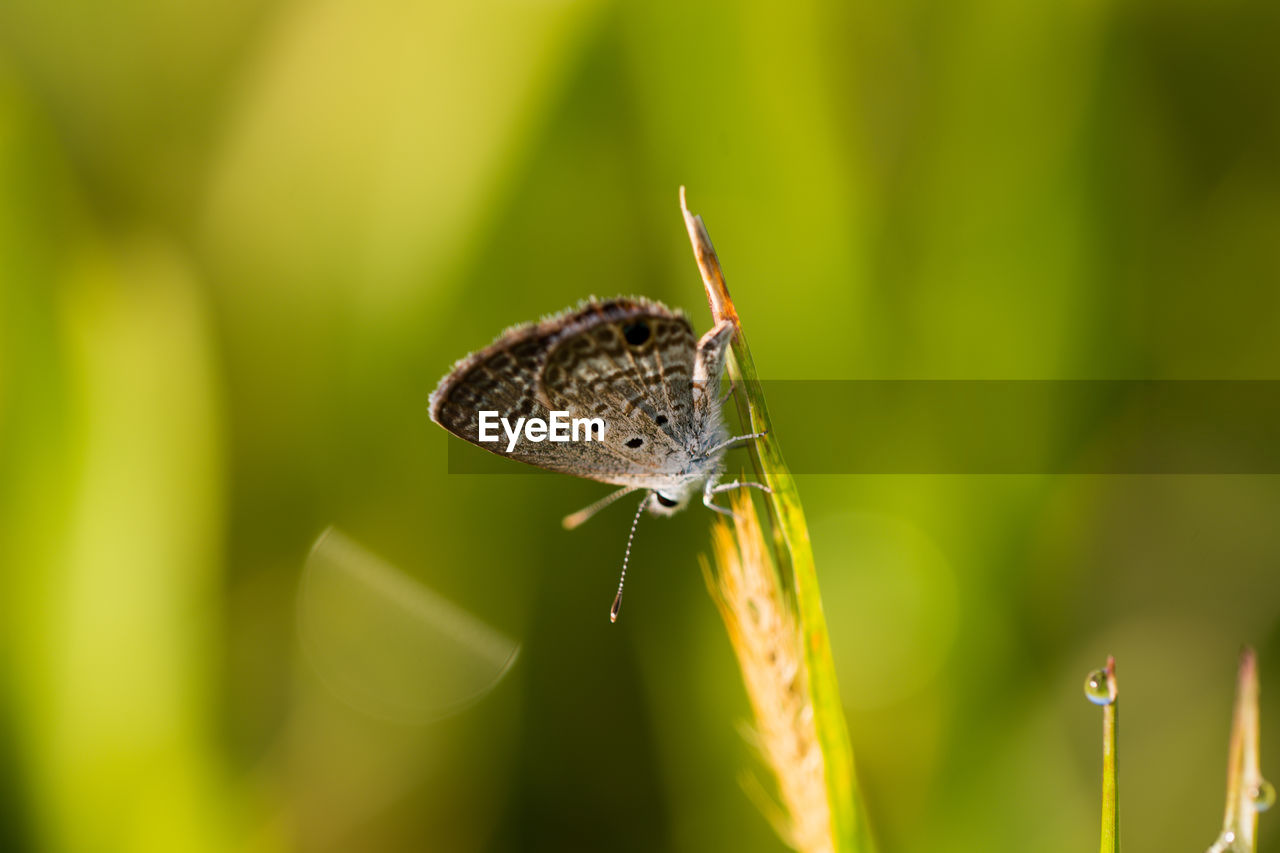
[{"x": 1110, "y": 800}]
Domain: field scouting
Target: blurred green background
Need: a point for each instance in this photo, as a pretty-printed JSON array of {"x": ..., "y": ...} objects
[{"x": 241, "y": 241}]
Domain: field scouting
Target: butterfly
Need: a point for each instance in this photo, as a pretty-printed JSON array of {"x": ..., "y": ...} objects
[{"x": 633, "y": 369}]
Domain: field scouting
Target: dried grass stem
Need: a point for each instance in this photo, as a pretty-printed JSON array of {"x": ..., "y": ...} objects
[{"x": 770, "y": 650}]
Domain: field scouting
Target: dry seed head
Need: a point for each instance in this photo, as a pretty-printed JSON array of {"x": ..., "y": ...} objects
[{"x": 767, "y": 641}]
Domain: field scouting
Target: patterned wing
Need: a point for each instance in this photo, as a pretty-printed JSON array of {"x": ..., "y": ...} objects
[
  {"x": 707, "y": 374},
  {"x": 508, "y": 377},
  {"x": 630, "y": 362}
]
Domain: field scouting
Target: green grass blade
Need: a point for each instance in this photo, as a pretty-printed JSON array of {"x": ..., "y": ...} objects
[
  {"x": 1247, "y": 792},
  {"x": 794, "y": 554}
]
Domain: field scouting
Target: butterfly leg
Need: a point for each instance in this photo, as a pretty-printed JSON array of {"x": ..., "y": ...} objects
[
  {"x": 706, "y": 501},
  {"x": 712, "y": 489},
  {"x": 738, "y": 484},
  {"x": 749, "y": 437}
]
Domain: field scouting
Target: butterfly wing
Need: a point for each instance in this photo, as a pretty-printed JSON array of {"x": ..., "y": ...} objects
[
  {"x": 626, "y": 361},
  {"x": 707, "y": 373},
  {"x": 624, "y": 358},
  {"x": 501, "y": 377}
]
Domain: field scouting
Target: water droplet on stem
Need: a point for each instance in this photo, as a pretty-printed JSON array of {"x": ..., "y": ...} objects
[
  {"x": 1223, "y": 843},
  {"x": 1096, "y": 689},
  {"x": 1263, "y": 796}
]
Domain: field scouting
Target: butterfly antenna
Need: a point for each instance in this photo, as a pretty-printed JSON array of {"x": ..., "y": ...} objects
[
  {"x": 617, "y": 600},
  {"x": 577, "y": 518}
]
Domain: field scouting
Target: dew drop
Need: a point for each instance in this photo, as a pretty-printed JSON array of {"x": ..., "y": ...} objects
[
  {"x": 1223, "y": 842},
  {"x": 1095, "y": 688},
  {"x": 1264, "y": 796}
]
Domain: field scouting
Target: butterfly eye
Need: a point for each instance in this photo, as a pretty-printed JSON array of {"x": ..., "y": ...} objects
[
  {"x": 635, "y": 442},
  {"x": 636, "y": 333},
  {"x": 666, "y": 501},
  {"x": 660, "y": 420}
]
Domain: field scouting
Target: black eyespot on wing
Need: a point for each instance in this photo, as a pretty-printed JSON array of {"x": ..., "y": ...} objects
[
  {"x": 660, "y": 420},
  {"x": 666, "y": 501},
  {"x": 635, "y": 442},
  {"x": 636, "y": 333}
]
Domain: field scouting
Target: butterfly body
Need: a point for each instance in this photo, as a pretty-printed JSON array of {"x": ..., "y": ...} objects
[{"x": 632, "y": 364}]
